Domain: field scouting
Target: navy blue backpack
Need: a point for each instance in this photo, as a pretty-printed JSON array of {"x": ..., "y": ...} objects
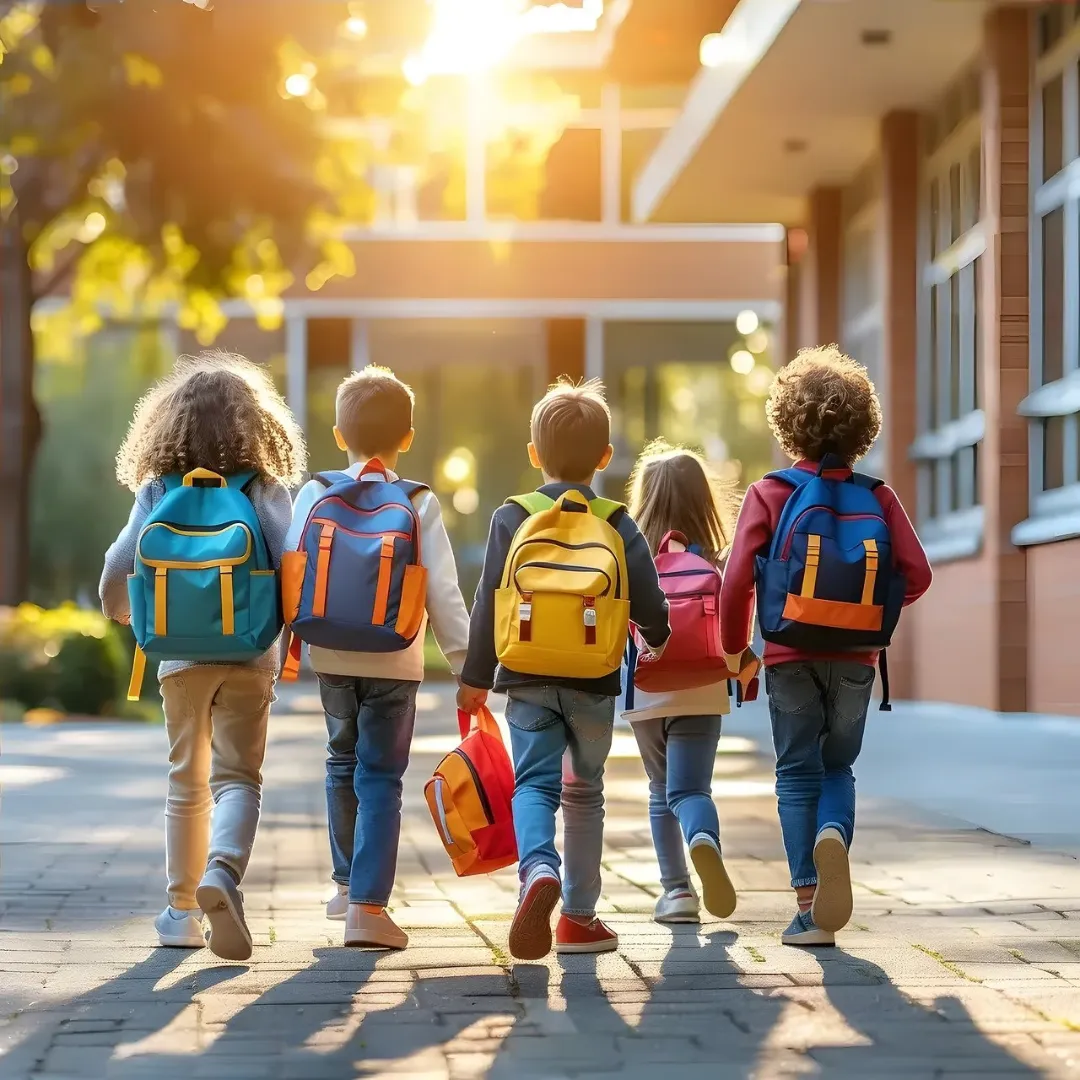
[{"x": 829, "y": 583}]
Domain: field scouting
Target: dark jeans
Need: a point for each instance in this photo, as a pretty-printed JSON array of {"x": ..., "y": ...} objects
[
  {"x": 369, "y": 725},
  {"x": 818, "y": 711}
]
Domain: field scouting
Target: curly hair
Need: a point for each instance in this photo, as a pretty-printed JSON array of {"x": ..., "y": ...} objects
[
  {"x": 824, "y": 402},
  {"x": 214, "y": 411}
]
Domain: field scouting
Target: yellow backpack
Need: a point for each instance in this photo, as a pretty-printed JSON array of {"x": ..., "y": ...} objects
[{"x": 563, "y": 608}]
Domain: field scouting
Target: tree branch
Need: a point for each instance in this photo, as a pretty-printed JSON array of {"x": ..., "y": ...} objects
[{"x": 59, "y": 275}]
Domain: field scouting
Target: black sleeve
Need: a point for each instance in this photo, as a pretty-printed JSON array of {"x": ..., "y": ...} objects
[
  {"x": 481, "y": 662},
  {"x": 648, "y": 605}
]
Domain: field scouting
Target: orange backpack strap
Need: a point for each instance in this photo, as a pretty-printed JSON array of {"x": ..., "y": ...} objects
[{"x": 291, "y": 671}]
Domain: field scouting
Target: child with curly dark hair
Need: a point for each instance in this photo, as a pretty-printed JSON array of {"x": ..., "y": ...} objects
[
  {"x": 824, "y": 412},
  {"x": 215, "y": 416}
]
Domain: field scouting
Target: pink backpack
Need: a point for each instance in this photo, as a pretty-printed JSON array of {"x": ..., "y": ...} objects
[{"x": 693, "y": 656}]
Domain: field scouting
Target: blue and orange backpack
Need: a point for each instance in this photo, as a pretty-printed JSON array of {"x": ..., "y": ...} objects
[
  {"x": 356, "y": 581},
  {"x": 204, "y": 587},
  {"x": 829, "y": 583}
]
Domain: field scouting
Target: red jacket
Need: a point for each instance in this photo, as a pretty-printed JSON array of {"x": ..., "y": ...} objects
[{"x": 758, "y": 519}]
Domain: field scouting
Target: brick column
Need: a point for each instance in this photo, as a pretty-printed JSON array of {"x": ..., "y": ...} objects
[
  {"x": 1004, "y": 331},
  {"x": 819, "y": 271},
  {"x": 900, "y": 220}
]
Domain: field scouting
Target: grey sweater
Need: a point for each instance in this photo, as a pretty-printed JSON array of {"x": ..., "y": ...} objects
[{"x": 273, "y": 507}]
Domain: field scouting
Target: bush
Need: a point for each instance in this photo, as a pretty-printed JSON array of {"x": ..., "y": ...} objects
[{"x": 66, "y": 658}]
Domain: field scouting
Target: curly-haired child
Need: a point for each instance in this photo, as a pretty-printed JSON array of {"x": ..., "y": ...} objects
[
  {"x": 823, "y": 411},
  {"x": 222, "y": 413}
]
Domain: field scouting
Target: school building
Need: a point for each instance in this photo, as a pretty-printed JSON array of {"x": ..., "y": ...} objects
[{"x": 925, "y": 158}]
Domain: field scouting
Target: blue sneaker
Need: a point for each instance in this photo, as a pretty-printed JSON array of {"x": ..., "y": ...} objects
[{"x": 802, "y": 931}]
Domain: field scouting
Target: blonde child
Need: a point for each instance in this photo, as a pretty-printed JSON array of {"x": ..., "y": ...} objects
[
  {"x": 220, "y": 413},
  {"x": 672, "y": 489}
]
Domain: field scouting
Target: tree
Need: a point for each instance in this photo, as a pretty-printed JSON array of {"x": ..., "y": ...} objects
[{"x": 149, "y": 162}]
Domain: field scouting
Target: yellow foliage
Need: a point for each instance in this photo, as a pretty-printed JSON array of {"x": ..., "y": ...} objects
[
  {"x": 43, "y": 629},
  {"x": 42, "y": 58},
  {"x": 141, "y": 72},
  {"x": 22, "y": 144},
  {"x": 17, "y": 85},
  {"x": 19, "y": 22}
]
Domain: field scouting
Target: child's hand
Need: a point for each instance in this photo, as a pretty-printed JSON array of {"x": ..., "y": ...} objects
[
  {"x": 123, "y": 620},
  {"x": 470, "y": 699}
]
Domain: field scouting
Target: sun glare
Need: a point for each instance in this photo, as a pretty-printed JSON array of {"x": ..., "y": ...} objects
[{"x": 469, "y": 37}]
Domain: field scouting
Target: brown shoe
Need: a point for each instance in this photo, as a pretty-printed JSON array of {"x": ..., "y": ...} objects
[{"x": 372, "y": 930}]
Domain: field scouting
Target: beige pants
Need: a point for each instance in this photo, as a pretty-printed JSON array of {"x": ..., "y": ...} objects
[{"x": 216, "y": 721}]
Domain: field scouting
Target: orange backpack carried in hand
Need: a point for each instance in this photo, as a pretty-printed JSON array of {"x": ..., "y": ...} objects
[{"x": 469, "y": 799}]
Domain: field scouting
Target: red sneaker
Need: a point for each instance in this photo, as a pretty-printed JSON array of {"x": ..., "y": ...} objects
[
  {"x": 530, "y": 932},
  {"x": 574, "y": 937}
]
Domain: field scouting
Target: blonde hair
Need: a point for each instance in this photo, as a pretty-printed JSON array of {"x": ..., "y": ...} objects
[
  {"x": 214, "y": 411},
  {"x": 571, "y": 429},
  {"x": 374, "y": 411},
  {"x": 673, "y": 489},
  {"x": 824, "y": 402}
]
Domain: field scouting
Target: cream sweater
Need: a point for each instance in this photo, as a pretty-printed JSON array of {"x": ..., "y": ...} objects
[{"x": 445, "y": 605}]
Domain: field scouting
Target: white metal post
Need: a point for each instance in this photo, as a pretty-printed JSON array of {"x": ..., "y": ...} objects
[
  {"x": 359, "y": 344},
  {"x": 296, "y": 367},
  {"x": 594, "y": 368},
  {"x": 611, "y": 154}
]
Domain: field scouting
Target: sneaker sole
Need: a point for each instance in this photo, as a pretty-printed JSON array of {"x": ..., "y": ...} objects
[
  {"x": 365, "y": 939},
  {"x": 677, "y": 920},
  {"x": 818, "y": 938},
  {"x": 530, "y": 932},
  {"x": 229, "y": 936},
  {"x": 335, "y": 917},
  {"x": 717, "y": 892},
  {"x": 167, "y": 942},
  {"x": 588, "y": 947},
  {"x": 832, "y": 906}
]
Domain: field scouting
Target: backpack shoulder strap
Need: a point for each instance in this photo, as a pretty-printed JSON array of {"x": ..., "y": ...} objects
[
  {"x": 535, "y": 502},
  {"x": 793, "y": 477},
  {"x": 863, "y": 480},
  {"x": 606, "y": 509},
  {"x": 411, "y": 488},
  {"x": 242, "y": 480},
  {"x": 329, "y": 479}
]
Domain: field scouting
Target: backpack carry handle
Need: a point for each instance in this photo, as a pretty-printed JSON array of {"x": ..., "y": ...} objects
[
  {"x": 673, "y": 537},
  {"x": 204, "y": 474},
  {"x": 484, "y": 722}
]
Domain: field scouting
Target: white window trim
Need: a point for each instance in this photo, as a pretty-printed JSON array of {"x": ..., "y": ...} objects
[
  {"x": 949, "y": 535},
  {"x": 1054, "y": 514}
]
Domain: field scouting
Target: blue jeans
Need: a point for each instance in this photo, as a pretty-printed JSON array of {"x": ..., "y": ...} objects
[
  {"x": 548, "y": 724},
  {"x": 818, "y": 711},
  {"x": 369, "y": 726},
  {"x": 679, "y": 753}
]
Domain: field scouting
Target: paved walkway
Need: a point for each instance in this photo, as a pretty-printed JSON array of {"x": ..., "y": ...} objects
[{"x": 963, "y": 958}]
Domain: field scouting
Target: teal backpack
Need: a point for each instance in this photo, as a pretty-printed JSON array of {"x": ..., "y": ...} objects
[{"x": 204, "y": 587}]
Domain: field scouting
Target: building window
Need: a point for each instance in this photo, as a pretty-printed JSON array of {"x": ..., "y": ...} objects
[
  {"x": 1053, "y": 405},
  {"x": 951, "y": 423}
]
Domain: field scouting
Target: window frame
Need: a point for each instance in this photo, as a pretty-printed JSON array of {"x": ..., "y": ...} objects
[
  {"x": 1054, "y": 513},
  {"x": 950, "y": 527}
]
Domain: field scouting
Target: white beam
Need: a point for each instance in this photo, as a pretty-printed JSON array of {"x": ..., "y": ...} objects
[{"x": 746, "y": 37}]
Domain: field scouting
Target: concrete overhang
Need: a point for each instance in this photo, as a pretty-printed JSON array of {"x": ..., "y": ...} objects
[{"x": 797, "y": 102}]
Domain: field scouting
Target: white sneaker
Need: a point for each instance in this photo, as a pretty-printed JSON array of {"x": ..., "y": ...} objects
[
  {"x": 223, "y": 902},
  {"x": 718, "y": 894},
  {"x": 802, "y": 931},
  {"x": 832, "y": 898},
  {"x": 678, "y": 905},
  {"x": 337, "y": 907},
  {"x": 180, "y": 929}
]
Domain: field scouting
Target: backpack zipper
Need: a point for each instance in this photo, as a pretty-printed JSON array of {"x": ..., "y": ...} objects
[
  {"x": 574, "y": 547},
  {"x": 194, "y": 530},
  {"x": 353, "y": 532},
  {"x": 828, "y": 510},
  {"x": 485, "y": 805},
  {"x": 560, "y": 566}
]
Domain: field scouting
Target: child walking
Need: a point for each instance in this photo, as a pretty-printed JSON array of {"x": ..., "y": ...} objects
[
  {"x": 855, "y": 571},
  {"x": 672, "y": 490},
  {"x": 370, "y": 697},
  {"x": 550, "y": 713},
  {"x": 215, "y": 414}
]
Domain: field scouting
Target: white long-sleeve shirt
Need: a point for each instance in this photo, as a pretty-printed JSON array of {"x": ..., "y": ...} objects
[{"x": 445, "y": 606}]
